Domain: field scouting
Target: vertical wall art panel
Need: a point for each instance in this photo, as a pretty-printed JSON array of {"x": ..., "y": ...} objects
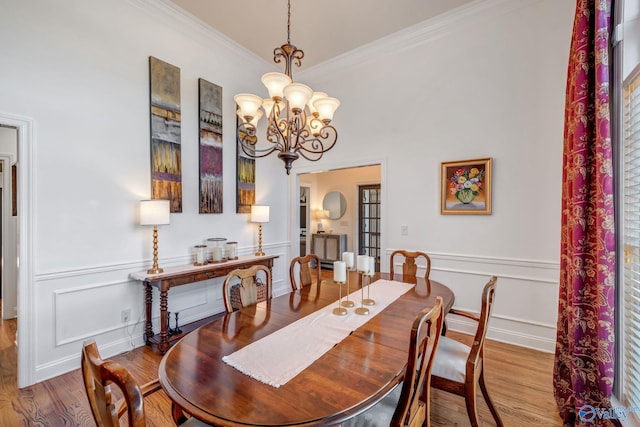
[
  {"x": 166, "y": 160},
  {"x": 245, "y": 179},
  {"x": 210, "y": 147}
]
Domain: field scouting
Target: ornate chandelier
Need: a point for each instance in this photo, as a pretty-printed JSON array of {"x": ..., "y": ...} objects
[{"x": 297, "y": 117}]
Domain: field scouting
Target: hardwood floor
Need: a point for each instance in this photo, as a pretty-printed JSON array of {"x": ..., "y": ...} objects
[{"x": 518, "y": 379}]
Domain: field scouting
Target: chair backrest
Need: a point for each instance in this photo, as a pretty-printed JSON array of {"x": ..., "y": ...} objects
[
  {"x": 99, "y": 376},
  {"x": 409, "y": 266},
  {"x": 304, "y": 266},
  {"x": 246, "y": 286},
  {"x": 477, "y": 348},
  {"x": 414, "y": 403}
]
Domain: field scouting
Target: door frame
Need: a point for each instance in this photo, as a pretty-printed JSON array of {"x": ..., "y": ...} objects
[{"x": 27, "y": 335}]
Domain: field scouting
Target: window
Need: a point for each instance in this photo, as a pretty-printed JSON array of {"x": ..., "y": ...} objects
[
  {"x": 631, "y": 244},
  {"x": 626, "y": 133}
]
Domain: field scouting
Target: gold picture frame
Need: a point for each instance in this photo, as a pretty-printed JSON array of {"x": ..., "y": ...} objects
[{"x": 465, "y": 187}]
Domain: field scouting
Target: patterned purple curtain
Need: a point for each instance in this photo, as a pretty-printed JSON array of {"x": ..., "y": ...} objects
[{"x": 584, "y": 359}]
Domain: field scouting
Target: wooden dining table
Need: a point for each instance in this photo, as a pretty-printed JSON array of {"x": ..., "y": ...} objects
[{"x": 349, "y": 378}]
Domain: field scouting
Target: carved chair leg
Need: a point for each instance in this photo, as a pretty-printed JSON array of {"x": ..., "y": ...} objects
[{"x": 487, "y": 399}]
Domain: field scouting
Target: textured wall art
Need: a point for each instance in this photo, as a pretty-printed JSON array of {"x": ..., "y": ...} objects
[
  {"x": 166, "y": 160},
  {"x": 245, "y": 179},
  {"x": 210, "y": 96}
]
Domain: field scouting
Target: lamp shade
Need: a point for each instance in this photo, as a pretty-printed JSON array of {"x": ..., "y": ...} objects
[
  {"x": 298, "y": 95},
  {"x": 259, "y": 213},
  {"x": 248, "y": 104},
  {"x": 326, "y": 107},
  {"x": 267, "y": 105},
  {"x": 320, "y": 214},
  {"x": 253, "y": 121},
  {"x": 154, "y": 212},
  {"x": 275, "y": 83},
  {"x": 316, "y": 95}
]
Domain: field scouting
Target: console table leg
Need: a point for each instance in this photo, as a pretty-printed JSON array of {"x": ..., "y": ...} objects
[
  {"x": 148, "y": 326},
  {"x": 163, "y": 345}
]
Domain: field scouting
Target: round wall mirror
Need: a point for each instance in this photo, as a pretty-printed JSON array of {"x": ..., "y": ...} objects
[{"x": 335, "y": 203}]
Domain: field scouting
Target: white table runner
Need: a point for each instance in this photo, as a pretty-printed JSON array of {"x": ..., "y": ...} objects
[{"x": 282, "y": 355}]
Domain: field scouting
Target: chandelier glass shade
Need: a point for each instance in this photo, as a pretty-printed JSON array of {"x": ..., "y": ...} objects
[{"x": 298, "y": 119}]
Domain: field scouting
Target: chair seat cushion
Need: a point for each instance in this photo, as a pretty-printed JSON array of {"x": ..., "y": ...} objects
[
  {"x": 241, "y": 296},
  {"x": 451, "y": 360},
  {"x": 380, "y": 414}
]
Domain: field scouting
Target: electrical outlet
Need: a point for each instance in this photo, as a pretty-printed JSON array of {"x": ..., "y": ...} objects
[
  {"x": 125, "y": 315},
  {"x": 404, "y": 230}
]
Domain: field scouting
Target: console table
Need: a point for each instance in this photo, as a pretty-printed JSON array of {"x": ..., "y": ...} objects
[
  {"x": 184, "y": 275},
  {"x": 328, "y": 247}
]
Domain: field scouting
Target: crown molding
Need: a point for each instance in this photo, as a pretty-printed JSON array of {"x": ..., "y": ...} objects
[
  {"x": 195, "y": 28},
  {"x": 415, "y": 35}
]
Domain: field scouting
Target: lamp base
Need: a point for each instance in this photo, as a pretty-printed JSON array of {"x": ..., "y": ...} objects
[
  {"x": 260, "y": 254},
  {"x": 155, "y": 270}
]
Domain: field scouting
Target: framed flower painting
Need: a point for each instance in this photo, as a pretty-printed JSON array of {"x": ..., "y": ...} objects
[{"x": 466, "y": 187}]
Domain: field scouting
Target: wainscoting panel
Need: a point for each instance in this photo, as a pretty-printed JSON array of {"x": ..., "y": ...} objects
[
  {"x": 525, "y": 311},
  {"x": 94, "y": 305},
  {"x": 74, "y": 305}
]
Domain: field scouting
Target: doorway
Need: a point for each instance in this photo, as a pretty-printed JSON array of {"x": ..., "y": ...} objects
[
  {"x": 345, "y": 228},
  {"x": 8, "y": 223},
  {"x": 304, "y": 219}
]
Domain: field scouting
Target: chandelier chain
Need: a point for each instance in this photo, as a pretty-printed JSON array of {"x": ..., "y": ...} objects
[{"x": 288, "y": 21}]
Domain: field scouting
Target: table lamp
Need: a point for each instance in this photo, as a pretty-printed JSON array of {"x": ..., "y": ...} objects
[
  {"x": 154, "y": 212},
  {"x": 320, "y": 214},
  {"x": 259, "y": 214}
]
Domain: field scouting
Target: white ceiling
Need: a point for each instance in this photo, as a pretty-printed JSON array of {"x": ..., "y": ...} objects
[{"x": 323, "y": 29}]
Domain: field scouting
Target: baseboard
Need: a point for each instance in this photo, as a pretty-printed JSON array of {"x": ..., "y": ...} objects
[{"x": 507, "y": 336}]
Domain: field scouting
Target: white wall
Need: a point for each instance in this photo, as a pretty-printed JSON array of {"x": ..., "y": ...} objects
[
  {"x": 79, "y": 69},
  {"x": 486, "y": 80}
]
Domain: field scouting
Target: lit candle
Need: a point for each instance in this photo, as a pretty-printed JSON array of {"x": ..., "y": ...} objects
[
  {"x": 347, "y": 257},
  {"x": 339, "y": 271},
  {"x": 372, "y": 266},
  {"x": 363, "y": 263},
  {"x": 200, "y": 254},
  {"x": 216, "y": 253}
]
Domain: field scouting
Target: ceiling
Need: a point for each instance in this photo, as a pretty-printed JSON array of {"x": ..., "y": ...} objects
[{"x": 323, "y": 29}]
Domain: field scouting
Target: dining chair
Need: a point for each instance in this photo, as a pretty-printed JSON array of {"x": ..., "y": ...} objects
[
  {"x": 409, "y": 266},
  {"x": 408, "y": 404},
  {"x": 303, "y": 263},
  {"x": 458, "y": 368},
  {"x": 100, "y": 375},
  {"x": 246, "y": 286}
]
